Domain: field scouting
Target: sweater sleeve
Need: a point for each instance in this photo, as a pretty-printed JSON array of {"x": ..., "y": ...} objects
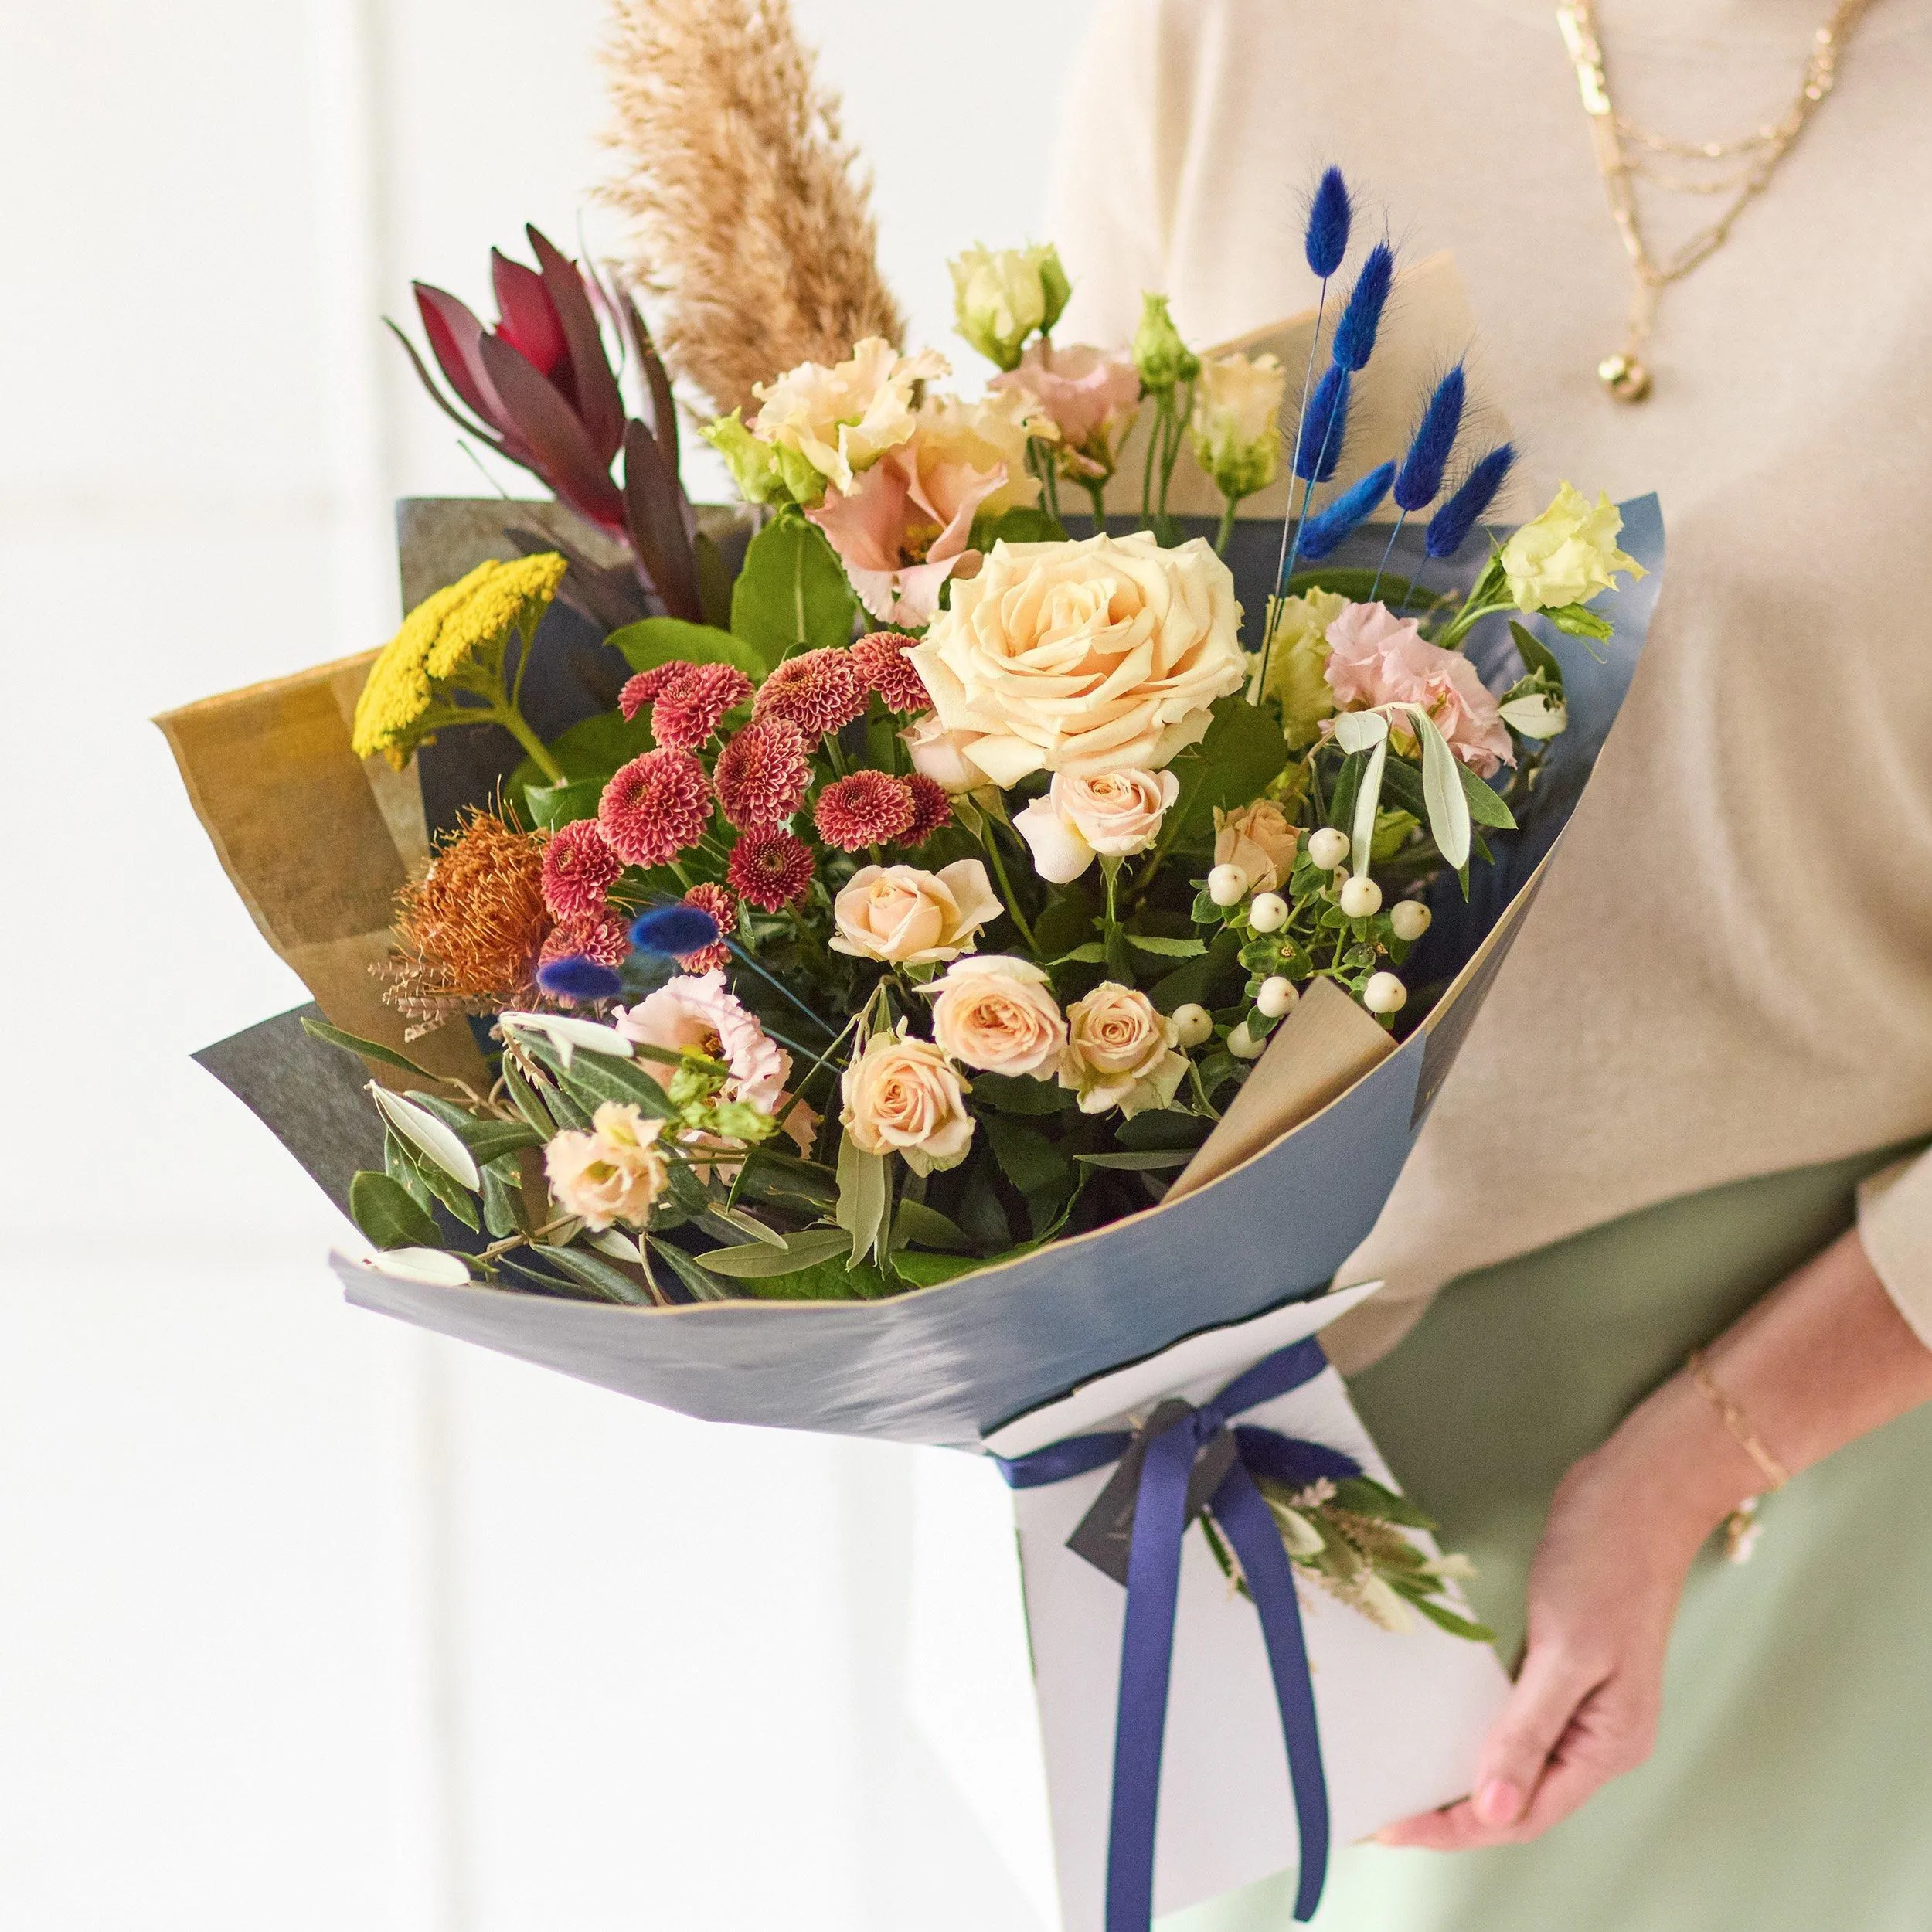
[
  {"x": 1895, "y": 1225},
  {"x": 1109, "y": 210}
]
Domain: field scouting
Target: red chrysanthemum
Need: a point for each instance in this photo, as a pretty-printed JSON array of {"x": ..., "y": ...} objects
[
  {"x": 762, "y": 773},
  {"x": 769, "y": 868},
  {"x": 882, "y": 663},
  {"x": 687, "y": 701},
  {"x": 931, "y": 809},
  {"x": 866, "y": 809},
  {"x": 655, "y": 807},
  {"x": 818, "y": 691},
  {"x": 604, "y": 937},
  {"x": 579, "y": 870},
  {"x": 723, "y": 908}
]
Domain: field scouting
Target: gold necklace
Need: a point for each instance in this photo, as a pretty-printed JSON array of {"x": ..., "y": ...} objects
[{"x": 1625, "y": 151}]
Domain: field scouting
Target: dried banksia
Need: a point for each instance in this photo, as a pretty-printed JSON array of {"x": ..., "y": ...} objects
[
  {"x": 469, "y": 933},
  {"x": 750, "y": 229}
]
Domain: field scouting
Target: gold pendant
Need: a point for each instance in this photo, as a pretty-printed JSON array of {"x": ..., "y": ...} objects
[{"x": 1625, "y": 377}]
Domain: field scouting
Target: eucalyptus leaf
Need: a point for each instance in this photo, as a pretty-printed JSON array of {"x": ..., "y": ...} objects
[
  {"x": 1360, "y": 731},
  {"x": 615, "y": 1243},
  {"x": 382, "y": 1209},
  {"x": 436, "y": 1266},
  {"x": 1486, "y": 807},
  {"x": 701, "y": 1286},
  {"x": 750, "y": 1224},
  {"x": 426, "y": 1180},
  {"x": 527, "y": 1101},
  {"x": 1141, "y": 1160},
  {"x": 566, "y": 1036},
  {"x": 592, "y": 1080},
  {"x": 503, "y": 1213}
]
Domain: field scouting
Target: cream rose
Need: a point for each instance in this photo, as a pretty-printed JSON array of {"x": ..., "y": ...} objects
[
  {"x": 1566, "y": 555},
  {"x": 1084, "y": 657},
  {"x": 835, "y": 421},
  {"x": 907, "y": 917},
  {"x": 1235, "y": 429},
  {"x": 902, "y": 1097},
  {"x": 1119, "y": 1052},
  {"x": 613, "y": 1172},
  {"x": 941, "y": 755},
  {"x": 998, "y": 1015},
  {"x": 1259, "y": 839},
  {"x": 1115, "y": 813}
]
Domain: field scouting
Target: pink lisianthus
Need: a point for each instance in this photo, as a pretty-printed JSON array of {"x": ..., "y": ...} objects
[
  {"x": 1091, "y": 395},
  {"x": 1375, "y": 658}
]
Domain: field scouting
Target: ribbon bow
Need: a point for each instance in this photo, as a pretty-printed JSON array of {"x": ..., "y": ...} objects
[{"x": 1185, "y": 1436}]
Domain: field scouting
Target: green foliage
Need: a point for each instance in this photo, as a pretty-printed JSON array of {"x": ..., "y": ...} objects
[
  {"x": 657, "y": 640},
  {"x": 586, "y": 753},
  {"x": 916, "y": 1221},
  {"x": 1242, "y": 753},
  {"x": 1485, "y": 807},
  {"x": 758, "y": 1260},
  {"x": 1579, "y": 621},
  {"x": 383, "y": 1210},
  {"x": 864, "y": 1208},
  {"x": 1017, "y": 1094},
  {"x": 369, "y": 1049},
  {"x": 605, "y": 1278},
  {"x": 1019, "y": 525},
  {"x": 793, "y": 594}
]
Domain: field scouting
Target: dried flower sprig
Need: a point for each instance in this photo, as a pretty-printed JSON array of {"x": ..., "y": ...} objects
[{"x": 751, "y": 234}]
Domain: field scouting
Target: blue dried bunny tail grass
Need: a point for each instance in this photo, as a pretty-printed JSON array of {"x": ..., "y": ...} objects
[
  {"x": 1422, "y": 469},
  {"x": 1322, "y": 533},
  {"x": 1325, "y": 427},
  {"x": 574, "y": 976},
  {"x": 1449, "y": 527},
  {"x": 1355, "y": 335},
  {"x": 674, "y": 930},
  {"x": 1330, "y": 213}
]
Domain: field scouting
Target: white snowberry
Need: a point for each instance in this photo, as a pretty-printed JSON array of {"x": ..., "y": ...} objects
[
  {"x": 1227, "y": 885},
  {"x": 1192, "y": 1024},
  {"x": 1269, "y": 913},
  {"x": 1242, "y": 1044},
  {"x": 1277, "y": 995},
  {"x": 1384, "y": 994},
  {"x": 1327, "y": 847},
  {"x": 1362, "y": 897},
  {"x": 1410, "y": 919}
]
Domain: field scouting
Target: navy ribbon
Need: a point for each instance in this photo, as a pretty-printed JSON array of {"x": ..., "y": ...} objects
[{"x": 1153, "y": 1588}]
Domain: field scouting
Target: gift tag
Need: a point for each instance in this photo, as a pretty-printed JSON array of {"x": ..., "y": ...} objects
[{"x": 1105, "y": 1536}]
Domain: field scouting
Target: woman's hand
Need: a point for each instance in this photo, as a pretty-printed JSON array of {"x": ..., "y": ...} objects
[
  {"x": 1603, "y": 1594},
  {"x": 1825, "y": 1357}
]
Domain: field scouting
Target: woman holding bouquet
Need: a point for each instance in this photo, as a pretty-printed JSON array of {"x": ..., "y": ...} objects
[{"x": 1667, "y": 1242}]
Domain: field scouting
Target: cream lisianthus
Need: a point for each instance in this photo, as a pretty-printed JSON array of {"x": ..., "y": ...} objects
[
  {"x": 908, "y": 917},
  {"x": 613, "y": 1172},
  {"x": 1084, "y": 657},
  {"x": 998, "y": 1015},
  {"x": 1001, "y": 296},
  {"x": 903, "y": 1096},
  {"x": 1113, "y": 813},
  {"x": 1296, "y": 658},
  {"x": 829, "y": 423},
  {"x": 1566, "y": 555},
  {"x": 1235, "y": 429},
  {"x": 1258, "y": 838},
  {"x": 1120, "y": 1051}
]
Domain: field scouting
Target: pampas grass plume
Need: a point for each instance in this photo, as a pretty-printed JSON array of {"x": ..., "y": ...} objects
[{"x": 751, "y": 233}]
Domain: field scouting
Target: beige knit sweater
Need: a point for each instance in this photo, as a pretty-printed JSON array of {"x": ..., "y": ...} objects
[{"x": 1730, "y": 972}]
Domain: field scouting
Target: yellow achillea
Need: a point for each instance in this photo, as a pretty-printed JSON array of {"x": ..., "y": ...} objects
[{"x": 453, "y": 641}]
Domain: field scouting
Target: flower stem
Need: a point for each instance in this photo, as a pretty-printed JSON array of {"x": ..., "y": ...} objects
[
  {"x": 1096, "y": 493},
  {"x": 991, "y": 844},
  {"x": 1227, "y": 530},
  {"x": 512, "y": 719}
]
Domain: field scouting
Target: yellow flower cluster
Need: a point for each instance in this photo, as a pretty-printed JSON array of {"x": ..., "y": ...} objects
[{"x": 463, "y": 627}]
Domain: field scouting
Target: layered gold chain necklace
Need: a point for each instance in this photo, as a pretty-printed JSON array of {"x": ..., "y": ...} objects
[{"x": 1741, "y": 168}]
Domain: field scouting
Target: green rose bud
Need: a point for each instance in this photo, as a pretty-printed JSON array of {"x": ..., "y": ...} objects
[
  {"x": 1159, "y": 353},
  {"x": 1000, "y": 297}
]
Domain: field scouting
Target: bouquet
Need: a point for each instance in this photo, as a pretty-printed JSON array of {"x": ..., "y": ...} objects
[{"x": 841, "y": 961}]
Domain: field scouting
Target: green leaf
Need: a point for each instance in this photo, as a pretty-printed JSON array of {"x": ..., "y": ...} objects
[
  {"x": 1019, "y": 525},
  {"x": 425, "y": 1181},
  {"x": 525, "y": 1098},
  {"x": 755, "y": 1260},
  {"x": 433, "y": 1140},
  {"x": 591, "y": 750},
  {"x": 549, "y": 808},
  {"x": 1538, "y": 658},
  {"x": 702, "y": 1286},
  {"x": 485, "y": 1139},
  {"x": 658, "y": 641},
  {"x": 928, "y": 1270},
  {"x": 1027, "y": 1158},
  {"x": 369, "y": 1049},
  {"x": 1363, "y": 1496},
  {"x": 1368, "y": 798},
  {"x": 1167, "y": 948},
  {"x": 865, "y": 1197},
  {"x": 1092, "y": 954},
  {"x": 1579, "y": 621},
  {"x": 1358, "y": 586},
  {"x": 1446, "y": 1619},
  {"x": 606, "y": 1278},
  {"x": 1143, "y": 1160},
  {"x": 1162, "y": 1126},
  {"x": 1064, "y": 922},
  {"x": 1243, "y": 751},
  {"x": 916, "y": 1221},
  {"x": 388, "y": 1218},
  {"x": 1449, "y": 811},
  {"x": 399, "y": 1164},
  {"x": 1017, "y": 1094},
  {"x": 793, "y": 594},
  {"x": 743, "y": 1223},
  {"x": 591, "y": 1078},
  {"x": 1485, "y": 807},
  {"x": 503, "y": 1213},
  {"x": 834, "y": 1281}
]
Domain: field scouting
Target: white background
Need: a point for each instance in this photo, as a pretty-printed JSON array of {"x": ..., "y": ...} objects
[{"x": 306, "y": 1620}]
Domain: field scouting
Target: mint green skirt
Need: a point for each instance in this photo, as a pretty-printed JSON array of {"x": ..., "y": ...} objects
[{"x": 1791, "y": 1790}]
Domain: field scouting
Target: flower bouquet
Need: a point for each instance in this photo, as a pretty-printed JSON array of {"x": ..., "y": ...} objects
[{"x": 843, "y": 963}]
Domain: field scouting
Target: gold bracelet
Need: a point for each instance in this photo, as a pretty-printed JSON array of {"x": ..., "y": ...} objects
[{"x": 1776, "y": 1475}]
